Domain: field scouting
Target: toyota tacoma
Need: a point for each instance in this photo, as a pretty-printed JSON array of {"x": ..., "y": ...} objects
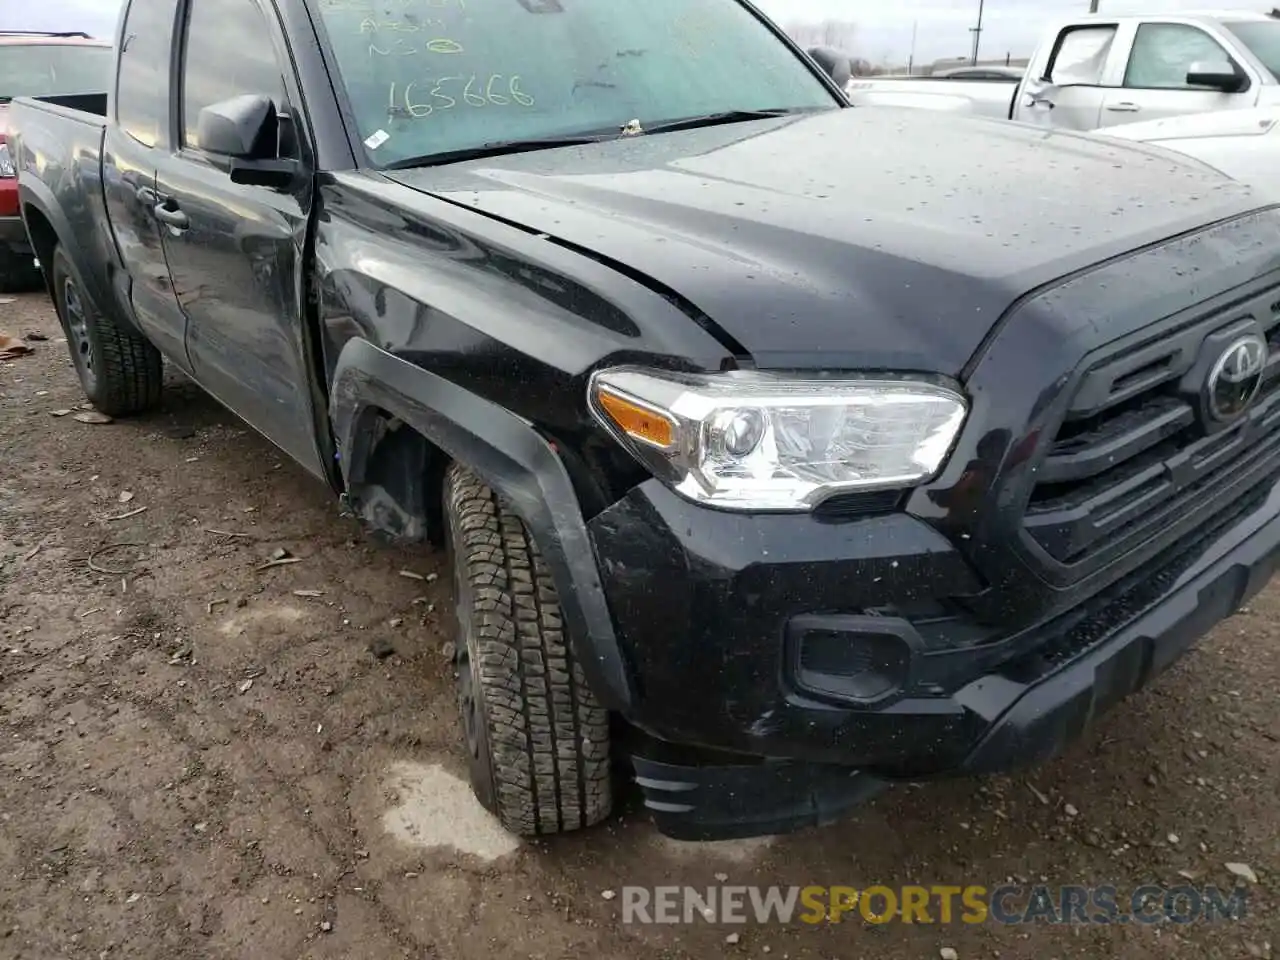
[{"x": 782, "y": 449}]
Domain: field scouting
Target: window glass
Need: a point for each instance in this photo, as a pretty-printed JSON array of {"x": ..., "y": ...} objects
[
  {"x": 1082, "y": 55},
  {"x": 1262, "y": 37},
  {"x": 228, "y": 53},
  {"x": 1164, "y": 52},
  {"x": 427, "y": 77},
  {"x": 54, "y": 69},
  {"x": 142, "y": 92}
]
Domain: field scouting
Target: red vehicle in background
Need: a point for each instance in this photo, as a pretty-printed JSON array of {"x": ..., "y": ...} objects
[{"x": 42, "y": 65}]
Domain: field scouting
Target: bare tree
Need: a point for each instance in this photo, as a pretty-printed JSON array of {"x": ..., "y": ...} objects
[{"x": 837, "y": 34}]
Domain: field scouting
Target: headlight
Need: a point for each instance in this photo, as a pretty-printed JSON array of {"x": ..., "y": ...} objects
[
  {"x": 7, "y": 171},
  {"x": 756, "y": 441}
]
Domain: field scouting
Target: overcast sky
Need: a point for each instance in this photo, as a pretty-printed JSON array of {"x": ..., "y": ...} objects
[
  {"x": 1009, "y": 26},
  {"x": 97, "y": 17},
  {"x": 884, "y": 25}
]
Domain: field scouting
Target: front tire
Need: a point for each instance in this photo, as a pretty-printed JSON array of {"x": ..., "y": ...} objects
[
  {"x": 120, "y": 372},
  {"x": 537, "y": 738}
]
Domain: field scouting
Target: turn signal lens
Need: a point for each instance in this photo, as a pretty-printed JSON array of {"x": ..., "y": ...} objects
[{"x": 637, "y": 421}]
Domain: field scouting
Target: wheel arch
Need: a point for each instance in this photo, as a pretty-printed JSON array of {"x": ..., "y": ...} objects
[
  {"x": 374, "y": 392},
  {"x": 44, "y": 240},
  {"x": 48, "y": 227},
  {"x": 91, "y": 252}
]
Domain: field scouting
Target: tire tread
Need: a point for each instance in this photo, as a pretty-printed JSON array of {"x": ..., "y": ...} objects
[
  {"x": 548, "y": 735},
  {"x": 130, "y": 369}
]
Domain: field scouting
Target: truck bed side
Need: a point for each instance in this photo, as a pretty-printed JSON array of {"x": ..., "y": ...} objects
[
  {"x": 984, "y": 98},
  {"x": 57, "y": 148}
]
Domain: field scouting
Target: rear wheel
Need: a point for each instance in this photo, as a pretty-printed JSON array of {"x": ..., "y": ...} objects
[
  {"x": 120, "y": 372},
  {"x": 537, "y": 738}
]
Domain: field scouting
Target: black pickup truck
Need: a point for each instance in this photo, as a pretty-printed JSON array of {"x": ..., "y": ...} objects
[{"x": 782, "y": 449}]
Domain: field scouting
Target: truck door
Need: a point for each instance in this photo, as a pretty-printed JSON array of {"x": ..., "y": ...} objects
[
  {"x": 137, "y": 134},
  {"x": 1070, "y": 94},
  {"x": 1155, "y": 79},
  {"x": 235, "y": 251}
]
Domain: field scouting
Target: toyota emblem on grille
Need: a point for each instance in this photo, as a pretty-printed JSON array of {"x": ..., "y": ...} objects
[{"x": 1236, "y": 377}]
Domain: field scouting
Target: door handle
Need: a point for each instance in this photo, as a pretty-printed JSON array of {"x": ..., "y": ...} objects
[
  {"x": 171, "y": 216},
  {"x": 1124, "y": 106}
]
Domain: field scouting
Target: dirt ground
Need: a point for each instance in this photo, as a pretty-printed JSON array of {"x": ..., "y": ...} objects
[{"x": 201, "y": 758}]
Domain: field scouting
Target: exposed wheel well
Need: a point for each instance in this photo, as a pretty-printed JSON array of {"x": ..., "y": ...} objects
[
  {"x": 523, "y": 463},
  {"x": 43, "y": 239},
  {"x": 398, "y": 479}
]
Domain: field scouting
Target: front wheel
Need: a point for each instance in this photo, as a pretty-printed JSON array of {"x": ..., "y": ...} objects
[
  {"x": 119, "y": 371},
  {"x": 537, "y": 738}
]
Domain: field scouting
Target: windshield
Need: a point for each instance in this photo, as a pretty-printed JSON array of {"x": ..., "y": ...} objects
[
  {"x": 53, "y": 69},
  {"x": 1262, "y": 37},
  {"x": 430, "y": 77}
]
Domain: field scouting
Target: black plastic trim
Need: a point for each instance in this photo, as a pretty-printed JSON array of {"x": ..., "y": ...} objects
[
  {"x": 514, "y": 460},
  {"x": 1038, "y": 722},
  {"x": 899, "y": 677},
  {"x": 712, "y": 802}
]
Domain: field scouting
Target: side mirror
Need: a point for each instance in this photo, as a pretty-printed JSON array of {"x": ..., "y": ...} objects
[
  {"x": 246, "y": 130},
  {"x": 835, "y": 63},
  {"x": 241, "y": 128},
  {"x": 1218, "y": 74}
]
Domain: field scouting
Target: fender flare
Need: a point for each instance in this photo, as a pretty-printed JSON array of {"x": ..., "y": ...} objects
[
  {"x": 514, "y": 460},
  {"x": 38, "y": 195}
]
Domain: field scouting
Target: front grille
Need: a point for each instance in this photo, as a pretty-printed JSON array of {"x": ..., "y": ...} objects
[
  {"x": 1102, "y": 615},
  {"x": 1131, "y": 457},
  {"x": 962, "y": 649}
]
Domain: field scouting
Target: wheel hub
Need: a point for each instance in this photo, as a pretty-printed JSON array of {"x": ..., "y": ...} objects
[
  {"x": 468, "y": 704},
  {"x": 78, "y": 330}
]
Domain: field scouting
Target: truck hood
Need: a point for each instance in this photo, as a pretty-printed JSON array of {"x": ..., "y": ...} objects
[{"x": 866, "y": 237}]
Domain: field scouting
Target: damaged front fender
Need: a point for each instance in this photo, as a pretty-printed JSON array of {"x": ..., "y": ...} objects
[{"x": 506, "y": 452}]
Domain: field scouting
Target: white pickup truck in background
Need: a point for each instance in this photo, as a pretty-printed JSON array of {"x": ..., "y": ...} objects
[
  {"x": 1098, "y": 71},
  {"x": 1243, "y": 144}
]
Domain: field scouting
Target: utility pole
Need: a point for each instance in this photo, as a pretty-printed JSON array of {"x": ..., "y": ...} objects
[
  {"x": 911, "y": 59},
  {"x": 977, "y": 35},
  {"x": 1093, "y": 6}
]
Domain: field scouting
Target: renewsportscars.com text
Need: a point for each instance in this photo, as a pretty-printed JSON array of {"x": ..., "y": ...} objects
[{"x": 936, "y": 904}]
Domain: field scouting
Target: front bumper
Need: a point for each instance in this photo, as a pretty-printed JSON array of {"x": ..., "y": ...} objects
[
  {"x": 1088, "y": 527},
  {"x": 738, "y": 737}
]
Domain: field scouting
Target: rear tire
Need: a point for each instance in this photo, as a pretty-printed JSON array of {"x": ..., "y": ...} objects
[
  {"x": 120, "y": 372},
  {"x": 537, "y": 738}
]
